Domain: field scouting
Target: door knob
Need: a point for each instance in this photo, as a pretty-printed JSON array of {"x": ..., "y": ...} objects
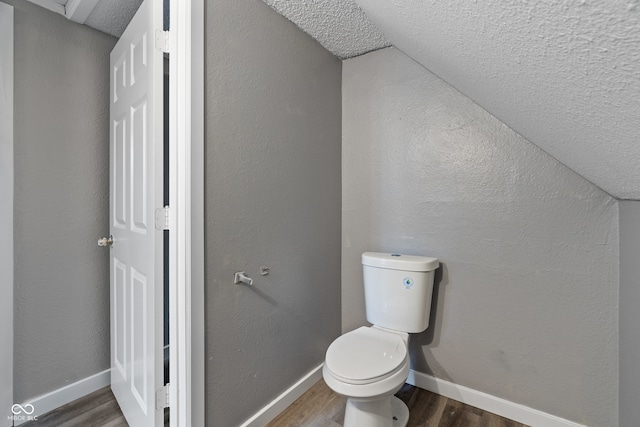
[{"x": 105, "y": 241}]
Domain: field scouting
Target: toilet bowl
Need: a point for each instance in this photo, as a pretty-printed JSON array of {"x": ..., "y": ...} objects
[{"x": 368, "y": 366}]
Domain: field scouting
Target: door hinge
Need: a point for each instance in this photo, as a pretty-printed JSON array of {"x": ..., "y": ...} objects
[
  {"x": 162, "y": 397},
  {"x": 162, "y": 218},
  {"x": 162, "y": 41}
]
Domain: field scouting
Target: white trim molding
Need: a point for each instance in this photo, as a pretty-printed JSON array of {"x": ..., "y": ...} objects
[
  {"x": 179, "y": 221},
  {"x": 6, "y": 213},
  {"x": 75, "y": 10},
  {"x": 282, "y": 402},
  {"x": 50, "y": 5},
  {"x": 79, "y": 10},
  {"x": 57, "y": 398},
  {"x": 504, "y": 408},
  {"x": 186, "y": 223}
]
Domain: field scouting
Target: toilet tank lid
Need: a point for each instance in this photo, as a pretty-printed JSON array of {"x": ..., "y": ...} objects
[{"x": 396, "y": 261}]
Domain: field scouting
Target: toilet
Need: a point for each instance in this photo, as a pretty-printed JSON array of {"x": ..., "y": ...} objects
[{"x": 370, "y": 364}]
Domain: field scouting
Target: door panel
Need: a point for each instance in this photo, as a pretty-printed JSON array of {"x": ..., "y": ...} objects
[
  {"x": 119, "y": 340},
  {"x": 119, "y": 173},
  {"x": 136, "y": 113}
]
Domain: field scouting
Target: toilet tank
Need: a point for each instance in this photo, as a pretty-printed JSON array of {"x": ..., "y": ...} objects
[{"x": 398, "y": 290}]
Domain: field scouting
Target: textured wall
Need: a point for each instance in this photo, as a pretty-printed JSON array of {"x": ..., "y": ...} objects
[
  {"x": 526, "y": 303},
  {"x": 629, "y": 314},
  {"x": 273, "y": 126},
  {"x": 6, "y": 214},
  {"x": 61, "y": 200},
  {"x": 565, "y": 74}
]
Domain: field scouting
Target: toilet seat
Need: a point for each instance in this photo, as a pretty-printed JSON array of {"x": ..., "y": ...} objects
[{"x": 366, "y": 355}]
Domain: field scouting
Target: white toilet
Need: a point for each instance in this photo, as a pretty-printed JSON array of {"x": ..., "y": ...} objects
[{"x": 370, "y": 364}]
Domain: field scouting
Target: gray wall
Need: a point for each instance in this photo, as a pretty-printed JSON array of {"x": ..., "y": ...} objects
[
  {"x": 6, "y": 214},
  {"x": 629, "y": 313},
  {"x": 526, "y": 301},
  {"x": 273, "y": 126},
  {"x": 61, "y": 201}
]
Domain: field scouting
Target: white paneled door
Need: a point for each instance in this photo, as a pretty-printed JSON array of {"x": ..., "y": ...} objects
[{"x": 136, "y": 183}]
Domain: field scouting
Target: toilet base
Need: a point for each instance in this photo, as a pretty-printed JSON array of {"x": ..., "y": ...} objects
[{"x": 385, "y": 412}]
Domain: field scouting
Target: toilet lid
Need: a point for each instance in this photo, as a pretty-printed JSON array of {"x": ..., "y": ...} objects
[{"x": 365, "y": 353}]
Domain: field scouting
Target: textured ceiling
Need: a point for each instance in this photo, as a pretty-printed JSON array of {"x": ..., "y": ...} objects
[
  {"x": 112, "y": 16},
  {"x": 565, "y": 73},
  {"x": 108, "y": 16},
  {"x": 339, "y": 26}
]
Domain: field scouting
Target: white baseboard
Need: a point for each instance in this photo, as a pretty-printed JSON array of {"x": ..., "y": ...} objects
[
  {"x": 52, "y": 400},
  {"x": 487, "y": 402},
  {"x": 280, "y": 403}
]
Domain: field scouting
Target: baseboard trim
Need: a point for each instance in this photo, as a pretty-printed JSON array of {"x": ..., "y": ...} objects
[
  {"x": 280, "y": 403},
  {"x": 513, "y": 411},
  {"x": 52, "y": 400}
]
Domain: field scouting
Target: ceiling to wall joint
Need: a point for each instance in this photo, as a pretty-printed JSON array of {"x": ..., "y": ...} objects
[
  {"x": 79, "y": 10},
  {"x": 340, "y": 26},
  {"x": 108, "y": 16},
  {"x": 565, "y": 75}
]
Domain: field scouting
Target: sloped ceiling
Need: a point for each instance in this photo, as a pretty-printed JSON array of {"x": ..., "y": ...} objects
[
  {"x": 108, "y": 16},
  {"x": 112, "y": 16},
  {"x": 563, "y": 73},
  {"x": 340, "y": 26}
]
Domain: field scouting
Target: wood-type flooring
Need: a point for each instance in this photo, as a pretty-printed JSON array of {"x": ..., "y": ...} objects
[
  {"x": 98, "y": 409},
  {"x": 321, "y": 407},
  {"x": 318, "y": 407}
]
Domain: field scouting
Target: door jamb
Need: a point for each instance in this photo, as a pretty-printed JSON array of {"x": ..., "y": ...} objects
[{"x": 186, "y": 223}]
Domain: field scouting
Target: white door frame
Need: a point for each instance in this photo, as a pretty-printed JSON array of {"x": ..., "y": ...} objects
[
  {"x": 186, "y": 223},
  {"x": 6, "y": 213},
  {"x": 187, "y": 199}
]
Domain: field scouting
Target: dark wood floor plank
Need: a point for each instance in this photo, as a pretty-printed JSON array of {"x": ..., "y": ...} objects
[
  {"x": 493, "y": 420},
  {"x": 73, "y": 409},
  {"x": 97, "y": 416},
  {"x": 318, "y": 407},
  {"x": 457, "y": 414},
  {"x": 321, "y": 407},
  {"x": 96, "y": 409},
  {"x": 118, "y": 422},
  {"x": 425, "y": 408}
]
